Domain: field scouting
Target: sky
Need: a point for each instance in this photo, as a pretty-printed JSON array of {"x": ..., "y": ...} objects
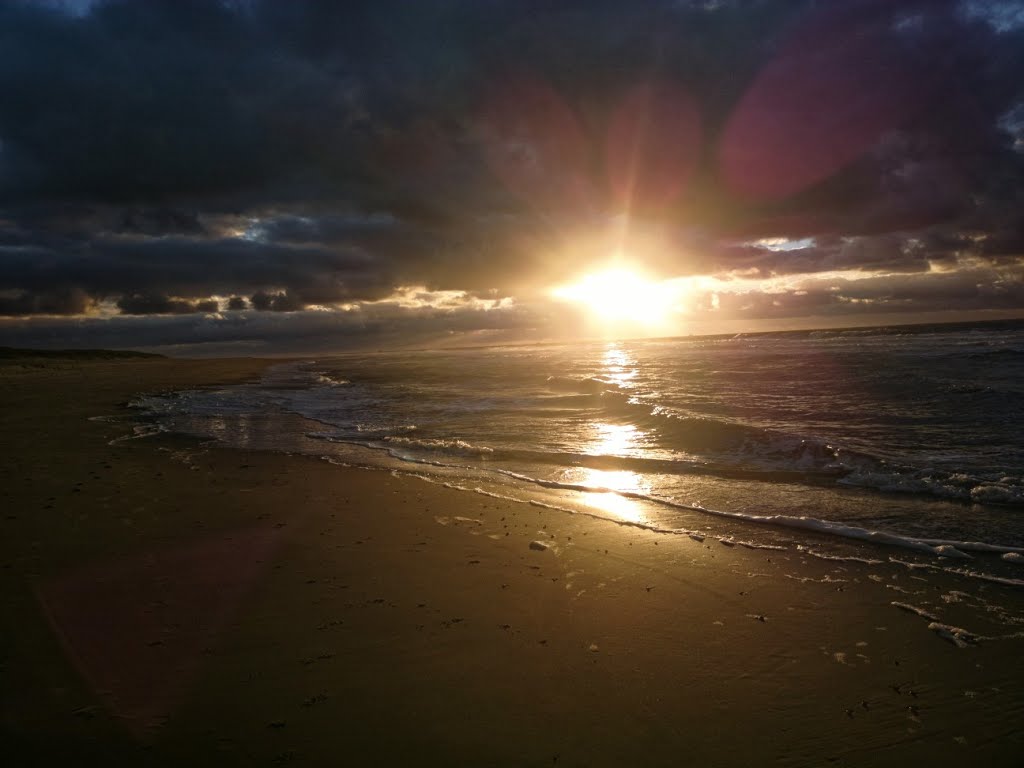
[{"x": 266, "y": 177}]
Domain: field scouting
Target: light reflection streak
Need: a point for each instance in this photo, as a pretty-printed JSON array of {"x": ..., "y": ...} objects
[
  {"x": 611, "y": 439},
  {"x": 618, "y": 366}
]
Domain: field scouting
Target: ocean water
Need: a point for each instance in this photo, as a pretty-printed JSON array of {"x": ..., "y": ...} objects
[{"x": 887, "y": 444}]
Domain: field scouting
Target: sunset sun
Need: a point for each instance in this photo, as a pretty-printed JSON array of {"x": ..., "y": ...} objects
[{"x": 620, "y": 296}]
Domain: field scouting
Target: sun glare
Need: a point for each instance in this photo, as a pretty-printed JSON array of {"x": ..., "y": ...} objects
[{"x": 618, "y": 296}]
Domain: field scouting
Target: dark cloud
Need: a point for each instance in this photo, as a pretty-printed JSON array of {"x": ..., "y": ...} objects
[
  {"x": 55, "y": 301},
  {"x": 882, "y": 253},
  {"x": 277, "y": 302},
  {"x": 156, "y": 155},
  {"x": 197, "y": 267},
  {"x": 966, "y": 290},
  {"x": 277, "y": 332},
  {"x": 158, "y": 304}
]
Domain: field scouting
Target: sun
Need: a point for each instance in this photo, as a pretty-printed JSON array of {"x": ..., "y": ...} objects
[{"x": 619, "y": 296}]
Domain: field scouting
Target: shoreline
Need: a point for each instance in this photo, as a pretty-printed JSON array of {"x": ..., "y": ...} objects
[{"x": 314, "y": 614}]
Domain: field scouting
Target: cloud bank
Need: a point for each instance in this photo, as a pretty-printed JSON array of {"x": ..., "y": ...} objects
[{"x": 170, "y": 170}]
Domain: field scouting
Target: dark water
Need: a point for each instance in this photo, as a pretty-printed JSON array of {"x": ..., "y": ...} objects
[{"x": 906, "y": 437}]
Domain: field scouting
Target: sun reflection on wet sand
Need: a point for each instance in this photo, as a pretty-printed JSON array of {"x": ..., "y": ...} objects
[{"x": 622, "y": 507}]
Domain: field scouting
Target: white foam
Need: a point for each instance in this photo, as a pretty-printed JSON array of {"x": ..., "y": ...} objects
[
  {"x": 1010, "y": 582},
  {"x": 139, "y": 431},
  {"x": 838, "y": 558},
  {"x": 914, "y": 609},
  {"x": 974, "y": 546},
  {"x": 959, "y": 636},
  {"x": 899, "y": 589},
  {"x": 328, "y": 381},
  {"x": 826, "y": 579},
  {"x": 935, "y": 547},
  {"x": 914, "y": 566},
  {"x": 453, "y": 447}
]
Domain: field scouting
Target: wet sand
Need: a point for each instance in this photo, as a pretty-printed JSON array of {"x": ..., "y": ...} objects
[{"x": 169, "y": 602}]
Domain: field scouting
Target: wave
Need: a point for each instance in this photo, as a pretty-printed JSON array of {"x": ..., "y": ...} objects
[
  {"x": 693, "y": 445},
  {"x": 957, "y": 486},
  {"x": 1004, "y": 352},
  {"x": 447, "y": 446},
  {"x": 948, "y": 549},
  {"x": 731, "y": 448},
  {"x": 435, "y": 450},
  {"x": 325, "y": 380},
  {"x": 584, "y": 385},
  {"x": 684, "y": 442}
]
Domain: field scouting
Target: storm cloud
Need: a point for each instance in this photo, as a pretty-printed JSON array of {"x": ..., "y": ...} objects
[{"x": 239, "y": 157}]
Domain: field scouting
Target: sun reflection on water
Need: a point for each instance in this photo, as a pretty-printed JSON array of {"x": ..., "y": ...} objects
[
  {"x": 614, "y": 439},
  {"x": 619, "y": 367}
]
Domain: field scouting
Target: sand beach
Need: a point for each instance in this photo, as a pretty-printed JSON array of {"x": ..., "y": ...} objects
[{"x": 169, "y": 601}]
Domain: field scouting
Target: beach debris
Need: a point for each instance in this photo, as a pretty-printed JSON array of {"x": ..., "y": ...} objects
[
  {"x": 276, "y": 724},
  {"x": 960, "y": 637},
  {"x": 593, "y": 648},
  {"x": 1013, "y": 557},
  {"x": 539, "y": 546}
]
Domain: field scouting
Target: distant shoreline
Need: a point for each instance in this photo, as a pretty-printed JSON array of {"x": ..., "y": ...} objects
[{"x": 19, "y": 353}]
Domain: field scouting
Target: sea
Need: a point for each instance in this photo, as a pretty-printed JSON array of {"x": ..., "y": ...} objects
[{"x": 885, "y": 445}]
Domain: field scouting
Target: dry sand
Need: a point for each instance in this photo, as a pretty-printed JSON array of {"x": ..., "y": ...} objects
[{"x": 167, "y": 602}]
